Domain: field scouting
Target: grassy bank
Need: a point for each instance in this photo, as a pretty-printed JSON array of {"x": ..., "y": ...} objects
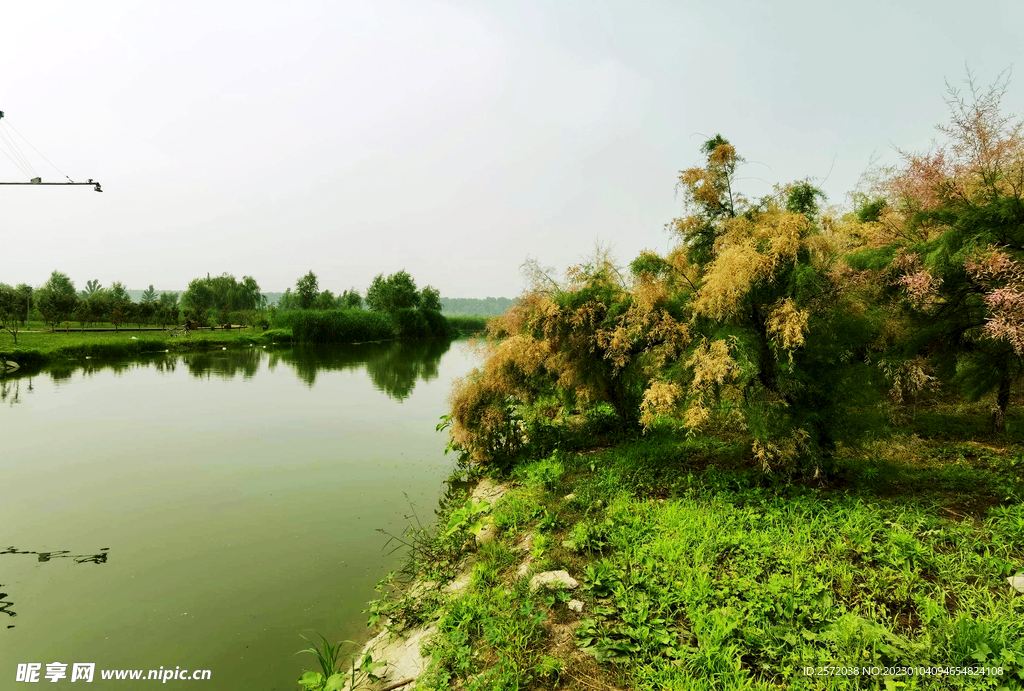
[
  {"x": 35, "y": 349},
  {"x": 39, "y": 346},
  {"x": 697, "y": 572}
]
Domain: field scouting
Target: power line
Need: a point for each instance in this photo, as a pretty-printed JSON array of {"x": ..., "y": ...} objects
[
  {"x": 16, "y": 154},
  {"x": 14, "y": 162},
  {"x": 8, "y": 122},
  {"x": 21, "y": 154}
]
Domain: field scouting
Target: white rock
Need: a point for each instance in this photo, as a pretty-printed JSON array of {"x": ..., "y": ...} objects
[
  {"x": 524, "y": 568},
  {"x": 421, "y": 588},
  {"x": 402, "y": 656},
  {"x": 576, "y": 605},
  {"x": 459, "y": 585},
  {"x": 569, "y": 497},
  {"x": 487, "y": 534},
  {"x": 488, "y": 490},
  {"x": 553, "y": 579},
  {"x": 1017, "y": 582}
]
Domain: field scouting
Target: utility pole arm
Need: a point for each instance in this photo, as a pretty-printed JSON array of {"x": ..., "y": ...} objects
[{"x": 37, "y": 181}]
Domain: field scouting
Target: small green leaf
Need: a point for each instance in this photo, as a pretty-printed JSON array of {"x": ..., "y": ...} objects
[
  {"x": 311, "y": 680},
  {"x": 336, "y": 682}
]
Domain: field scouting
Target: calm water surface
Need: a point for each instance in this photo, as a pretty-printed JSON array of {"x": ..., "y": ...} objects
[{"x": 205, "y": 510}]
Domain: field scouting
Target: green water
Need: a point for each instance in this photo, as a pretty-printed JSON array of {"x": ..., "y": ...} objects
[{"x": 202, "y": 511}]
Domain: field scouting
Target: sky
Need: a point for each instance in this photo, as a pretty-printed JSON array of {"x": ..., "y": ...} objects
[{"x": 451, "y": 140}]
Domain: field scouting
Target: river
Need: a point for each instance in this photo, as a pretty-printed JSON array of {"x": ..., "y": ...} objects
[{"x": 202, "y": 511}]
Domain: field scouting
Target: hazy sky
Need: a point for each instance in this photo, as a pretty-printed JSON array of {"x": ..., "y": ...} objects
[{"x": 449, "y": 139}]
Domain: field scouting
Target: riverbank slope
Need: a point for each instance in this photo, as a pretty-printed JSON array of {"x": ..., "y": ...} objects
[{"x": 667, "y": 562}]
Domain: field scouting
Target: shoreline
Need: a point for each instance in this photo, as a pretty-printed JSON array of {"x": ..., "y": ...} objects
[{"x": 614, "y": 568}]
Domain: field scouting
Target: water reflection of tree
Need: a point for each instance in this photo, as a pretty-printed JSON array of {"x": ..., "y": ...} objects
[
  {"x": 63, "y": 371},
  {"x": 394, "y": 367},
  {"x": 10, "y": 390},
  {"x": 226, "y": 364},
  {"x": 43, "y": 557},
  {"x": 396, "y": 370}
]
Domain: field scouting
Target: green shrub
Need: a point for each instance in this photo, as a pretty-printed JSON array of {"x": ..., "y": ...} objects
[
  {"x": 469, "y": 326},
  {"x": 544, "y": 474},
  {"x": 337, "y": 326}
]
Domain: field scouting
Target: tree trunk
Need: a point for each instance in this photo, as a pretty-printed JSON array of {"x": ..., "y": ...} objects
[{"x": 1002, "y": 403}]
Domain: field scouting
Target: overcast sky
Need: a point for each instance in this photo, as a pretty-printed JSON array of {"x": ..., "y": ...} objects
[{"x": 449, "y": 139}]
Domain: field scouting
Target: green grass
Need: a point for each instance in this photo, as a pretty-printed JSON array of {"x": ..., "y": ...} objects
[
  {"x": 698, "y": 572},
  {"x": 37, "y": 348}
]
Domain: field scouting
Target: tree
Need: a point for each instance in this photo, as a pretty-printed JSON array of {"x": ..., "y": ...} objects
[
  {"x": 324, "y": 301},
  {"x": 57, "y": 299},
  {"x": 375, "y": 294},
  {"x": 955, "y": 222},
  {"x": 288, "y": 300},
  {"x": 306, "y": 291},
  {"x": 149, "y": 296},
  {"x": 121, "y": 314},
  {"x": 165, "y": 314},
  {"x": 83, "y": 315},
  {"x": 118, "y": 293},
  {"x": 350, "y": 299},
  {"x": 397, "y": 291},
  {"x": 211, "y": 295},
  {"x": 120, "y": 305},
  {"x": 747, "y": 324},
  {"x": 430, "y": 299},
  {"x": 12, "y": 310},
  {"x": 169, "y": 300},
  {"x": 90, "y": 288},
  {"x": 100, "y": 305},
  {"x": 250, "y": 297},
  {"x": 198, "y": 297},
  {"x": 144, "y": 311},
  {"x": 25, "y": 293}
]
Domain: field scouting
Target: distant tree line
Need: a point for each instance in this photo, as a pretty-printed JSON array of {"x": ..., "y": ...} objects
[
  {"x": 396, "y": 292},
  {"x": 476, "y": 307},
  {"x": 208, "y": 300}
]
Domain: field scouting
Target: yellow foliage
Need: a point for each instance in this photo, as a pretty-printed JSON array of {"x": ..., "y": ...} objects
[
  {"x": 908, "y": 378},
  {"x": 728, "y": 279},
  {"x": 713, "y": 370},
  {"x": 787, "y": 326},
  {"x": 784, "y": 231},
  {"x": 751, "y": 251},
  {"x": 782, "y": 451},
  {"x": 660, "y": 399}
]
